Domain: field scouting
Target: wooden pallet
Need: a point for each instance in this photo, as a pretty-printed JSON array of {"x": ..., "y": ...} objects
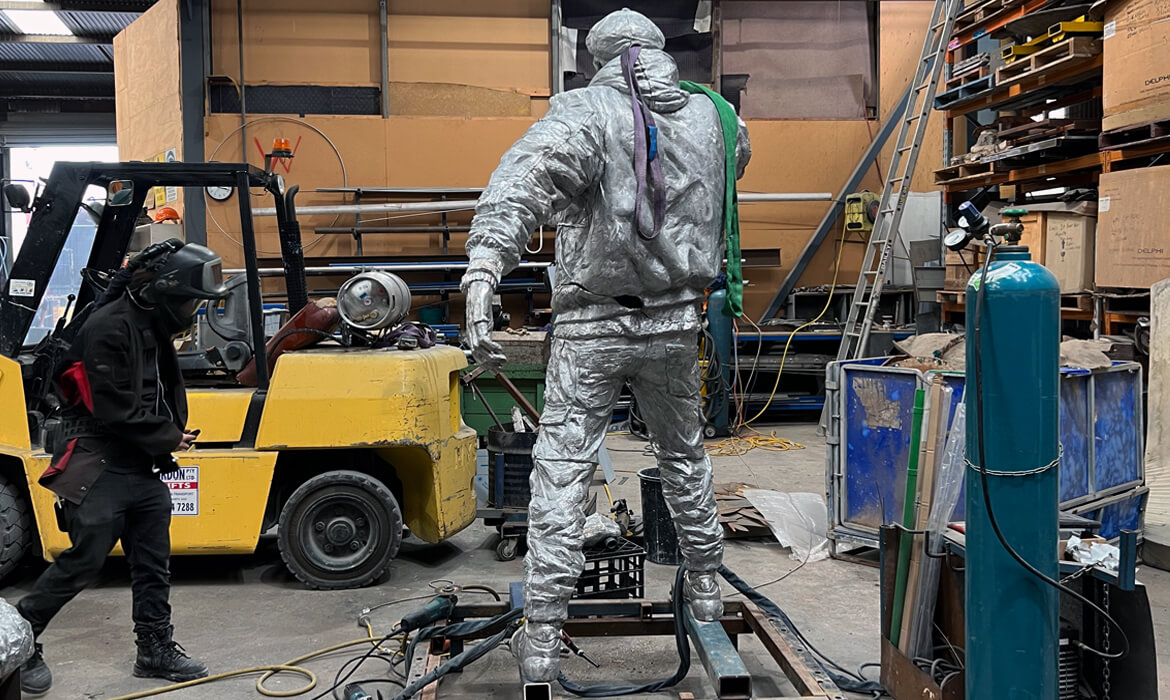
[
  {"x": 1050, "y": 59},
  {"x": 963, "y": 171},
  {"x": 1136, "y": 135},
  {"x": 1073, "y": 307},
  {"x": 977, "y": 12},
  {"x": 983, "y": 12},
  {"x": 1077, "y": 302},
  {"x": 970, "y": 75},
  {"x": 1033, "y": 131}
]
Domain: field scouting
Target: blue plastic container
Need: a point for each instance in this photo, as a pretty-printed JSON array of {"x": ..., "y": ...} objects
[{"x": 1101, "y": 433}]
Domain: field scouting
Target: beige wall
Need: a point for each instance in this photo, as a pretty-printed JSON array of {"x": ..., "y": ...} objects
[{"x": 467, "y": 80}]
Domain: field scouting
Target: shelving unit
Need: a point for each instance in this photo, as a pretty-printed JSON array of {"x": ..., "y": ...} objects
[
  {"x": 802, "y": 383},
  {"x": 1024, "y": 81}
]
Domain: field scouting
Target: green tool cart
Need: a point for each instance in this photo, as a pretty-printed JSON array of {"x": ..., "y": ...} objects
[{"x": 528, "y": 378}]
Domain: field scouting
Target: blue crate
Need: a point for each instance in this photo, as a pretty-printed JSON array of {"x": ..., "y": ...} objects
[
  {"x": 1101, "y": 430},
  {"x": 1125, "y": 511}
]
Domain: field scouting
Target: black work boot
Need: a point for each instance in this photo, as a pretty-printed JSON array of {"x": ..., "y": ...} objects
[
  {"x": 159, "y": 656},
  {"x": 35, "y": 676}
]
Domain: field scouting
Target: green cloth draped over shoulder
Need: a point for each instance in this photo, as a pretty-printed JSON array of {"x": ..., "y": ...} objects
[{"x": 729, "y": 124}]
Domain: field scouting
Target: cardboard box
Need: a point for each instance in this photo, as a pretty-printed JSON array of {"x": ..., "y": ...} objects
[
  {"x": 148, "y": 234},
  {"x": 1069, "y": 250},
  {"x": 1133, "y": 243},
  {"x": 1035, "y": 233},
  {"x": 1136, "y": 72},
  {"x": 960, "y": 266}
]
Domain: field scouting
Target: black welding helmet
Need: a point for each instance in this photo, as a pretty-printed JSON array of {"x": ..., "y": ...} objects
[{"x": 181, "y": 282}]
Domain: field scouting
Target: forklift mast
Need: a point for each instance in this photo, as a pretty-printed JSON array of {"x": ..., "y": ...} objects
[{"x": 54, "y": 210}]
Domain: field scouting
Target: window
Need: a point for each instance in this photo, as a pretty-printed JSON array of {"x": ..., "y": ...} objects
[
  {"x": 685, "y": 23},
  {"x": 29, "y": 166},
  {"x": 797, "y": 59},
  {"x": 800, "y": 59}
]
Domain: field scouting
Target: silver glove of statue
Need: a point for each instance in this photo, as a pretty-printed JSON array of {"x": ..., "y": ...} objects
[{"x": 478, "y": 331}]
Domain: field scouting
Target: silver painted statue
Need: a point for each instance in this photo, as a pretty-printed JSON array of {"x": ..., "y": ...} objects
[{"x": 634, "y": 181}]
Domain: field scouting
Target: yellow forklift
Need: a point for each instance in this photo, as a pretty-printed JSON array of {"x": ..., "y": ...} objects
[{"x": 339, "y": 445}]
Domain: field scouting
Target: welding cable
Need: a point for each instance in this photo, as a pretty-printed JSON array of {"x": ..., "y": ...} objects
[
  {"x": 466, "y": 657},
  {"x": 980, "y": 446},
  {"x": 845, "y": 679},
  {"x": 268, "y": 671},
  {"x": 788, "y": 344},
  {"x": 684, "y": 658},
  {"x": 458, "y": 630}
]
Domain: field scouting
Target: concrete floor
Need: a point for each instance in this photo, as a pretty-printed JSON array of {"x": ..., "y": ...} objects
[{"x": 236, "y": 612}]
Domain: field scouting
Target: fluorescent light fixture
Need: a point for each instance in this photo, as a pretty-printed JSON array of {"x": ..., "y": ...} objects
[{"x": 37, "y": 22}]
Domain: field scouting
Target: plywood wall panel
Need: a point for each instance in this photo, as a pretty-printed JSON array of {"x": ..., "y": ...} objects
[
  {"x": 305, "y": 42},
  {"x": 503, "y": 45},
  {"x": 298, "y": 42},
  {"x": 903, "y": 27},
  {"x": 149, "y": 117},
  {"x": 401, "y": 151}
]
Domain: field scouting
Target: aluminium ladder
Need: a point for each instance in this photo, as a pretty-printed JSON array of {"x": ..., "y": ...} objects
[{"x": 868, "y": 291}]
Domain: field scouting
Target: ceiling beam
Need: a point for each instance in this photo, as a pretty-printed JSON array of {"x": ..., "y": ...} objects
[
  {"x": 71, "y": 68},
  {"x": 80, "y": 91},
  {"x": 105, "y": 39},
  {"x": 130, "y": 6},
  {"x": 86, "y": 98}
]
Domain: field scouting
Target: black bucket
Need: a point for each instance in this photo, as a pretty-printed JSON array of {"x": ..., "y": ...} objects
[
  {"x": 509, "y": 466},
  {"x": 658, "y": 526}
]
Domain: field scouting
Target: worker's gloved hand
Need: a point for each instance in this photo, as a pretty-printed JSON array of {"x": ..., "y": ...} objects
[{"x": 478, "y": 334}]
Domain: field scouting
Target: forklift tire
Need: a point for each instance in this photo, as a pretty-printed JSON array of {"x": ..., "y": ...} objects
[
  {"x": 15, "y": 527},
  {"x": 340, "y": 529}
]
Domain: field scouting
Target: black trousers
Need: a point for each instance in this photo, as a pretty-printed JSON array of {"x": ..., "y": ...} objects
[{"x": 133, "y": 507}]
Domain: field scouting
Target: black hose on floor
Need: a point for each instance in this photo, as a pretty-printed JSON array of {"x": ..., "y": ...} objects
[{"x": 684, "y": 659}]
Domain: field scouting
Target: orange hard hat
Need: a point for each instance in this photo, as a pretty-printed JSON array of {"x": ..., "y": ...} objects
[{"x": 166, "y": 214}]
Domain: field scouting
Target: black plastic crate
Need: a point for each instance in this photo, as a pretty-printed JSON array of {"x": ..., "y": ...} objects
[{"x": 616, "y": 570}]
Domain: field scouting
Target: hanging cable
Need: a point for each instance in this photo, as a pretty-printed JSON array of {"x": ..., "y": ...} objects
[
  {"x": 244, "y": 158},
  {"x": 681, "y": 644},
  {"x": 784, "y": 357}
]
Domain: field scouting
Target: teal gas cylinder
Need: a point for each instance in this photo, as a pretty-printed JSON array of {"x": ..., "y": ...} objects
[{"x": 1012, "y": 617}]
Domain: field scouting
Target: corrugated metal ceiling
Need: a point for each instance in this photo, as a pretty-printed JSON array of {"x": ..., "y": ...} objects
[
  {"x": 96, "y": 23},
  {"x": 24, "y": 59},
  {"x": 54, "y": 53}
]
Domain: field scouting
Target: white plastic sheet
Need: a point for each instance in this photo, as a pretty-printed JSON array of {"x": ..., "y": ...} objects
[{"x": 800, "y": 521}]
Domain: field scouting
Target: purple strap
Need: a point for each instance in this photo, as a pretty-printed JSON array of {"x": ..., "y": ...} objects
[{"x": 643, "y": 158}]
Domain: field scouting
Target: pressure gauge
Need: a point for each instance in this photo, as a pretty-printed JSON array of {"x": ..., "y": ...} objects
[
  {"x": 957, "y": 239},
  {"x": 220, "y": 193}
]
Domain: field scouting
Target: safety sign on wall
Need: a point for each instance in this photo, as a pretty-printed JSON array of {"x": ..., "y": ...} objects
[{"x": 184, "y": 485}]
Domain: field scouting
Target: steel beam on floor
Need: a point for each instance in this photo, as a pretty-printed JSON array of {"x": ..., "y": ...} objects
[
  {"x": 725, "y": 668},
  {"x": 713, "y": 641}
]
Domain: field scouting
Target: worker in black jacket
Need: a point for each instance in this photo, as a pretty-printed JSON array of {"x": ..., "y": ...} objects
[{"x": 124, "y": 413}]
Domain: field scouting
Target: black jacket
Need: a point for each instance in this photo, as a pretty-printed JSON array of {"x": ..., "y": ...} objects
[{"x": 120, "y": 381}]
